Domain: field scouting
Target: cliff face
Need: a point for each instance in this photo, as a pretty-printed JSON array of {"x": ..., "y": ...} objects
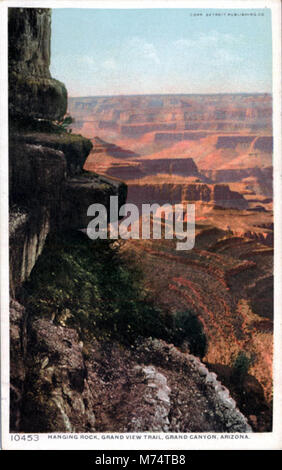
[
  {"x": 49, "y": 191},
  {"x": 45, "y": 163},
  {"x": 113, "y": 160},
  {"x": 57, "y": 383},
  {"x": 30, "y": 84},
  {"x": 217, "y": 194}
]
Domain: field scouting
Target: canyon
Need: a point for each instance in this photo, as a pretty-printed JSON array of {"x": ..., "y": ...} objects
[
  {"x": 214, "y": 151},
  {"x": 133, "y": 336},
  {"x": 224, "y": 161},
  {"x": 134, "y": 137}
]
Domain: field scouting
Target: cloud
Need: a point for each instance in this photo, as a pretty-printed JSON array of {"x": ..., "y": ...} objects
[
  {"x": 110, "y": 64},
  {"x": 210, "y": 39},
  {"x": 86, "y": 60},
  {"x": 141, "y": 49},
  {"x": 220, "y": 47},
  {"x": 223, "y": 55}
]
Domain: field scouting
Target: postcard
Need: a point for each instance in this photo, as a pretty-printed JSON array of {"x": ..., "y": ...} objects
[{"x": 141, "y": 225}]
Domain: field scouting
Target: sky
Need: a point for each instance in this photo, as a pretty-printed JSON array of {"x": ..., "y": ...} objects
[{"x": 98, "y": 52}]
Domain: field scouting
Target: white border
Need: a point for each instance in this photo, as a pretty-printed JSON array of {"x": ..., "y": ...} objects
[{"x": 257, "y": 441}]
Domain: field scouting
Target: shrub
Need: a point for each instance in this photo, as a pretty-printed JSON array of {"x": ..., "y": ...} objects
[
  {"x": 104, "y": 296},
  {"x": 186, "y": 327},
  {"x": 240, "y": 366},
  {"x": 65, "y": 123},
  {"x": 86, "y": 285}
]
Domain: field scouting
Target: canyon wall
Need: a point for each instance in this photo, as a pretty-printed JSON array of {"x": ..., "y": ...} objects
[
  {"x": 133, "y": 116},
  {"x": 218, "y": 194},
  {"x": 203, "y": 127},
  {"x": 224, "y": 138}
]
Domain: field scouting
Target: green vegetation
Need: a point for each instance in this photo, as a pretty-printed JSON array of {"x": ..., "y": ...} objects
[
  {"x": 86, "y": 285},
  {"x": 64, "y": 123},
  {"x": 240, "y": 366},
  {"x": 31, "y": 124}
]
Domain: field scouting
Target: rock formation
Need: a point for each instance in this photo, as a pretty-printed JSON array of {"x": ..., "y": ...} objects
[
  {"x": 134, "y": 116},
  {"x": 112, "y": 160},
  {"x": 218, "y": 194},
  {"x": 230, "y": 134},
  {"x": 32, "y": 90},
  {"x": 45, "y": 163},
  {"x": 49, "y": 191}
]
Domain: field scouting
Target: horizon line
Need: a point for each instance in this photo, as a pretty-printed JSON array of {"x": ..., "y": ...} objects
[{"x": 172, "y": 94}]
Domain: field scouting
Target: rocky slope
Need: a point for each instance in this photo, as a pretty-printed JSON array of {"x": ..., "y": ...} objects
[
  {"x": 154, "y": 388},
  {"x": 227, "y": 280}
]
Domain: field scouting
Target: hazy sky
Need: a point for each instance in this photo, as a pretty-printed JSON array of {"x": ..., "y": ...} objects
[{"x": 108, "y": 52}]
